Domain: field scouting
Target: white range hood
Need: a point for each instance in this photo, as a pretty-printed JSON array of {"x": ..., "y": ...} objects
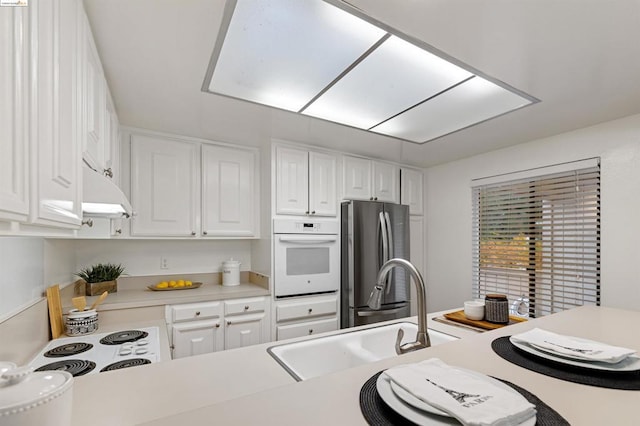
[{"x": 101, "y": 197}]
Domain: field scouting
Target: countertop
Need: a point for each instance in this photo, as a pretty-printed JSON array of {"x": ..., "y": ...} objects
[
  {"x": 246, "y": 386},
  {"x": 140, "y": 296}
]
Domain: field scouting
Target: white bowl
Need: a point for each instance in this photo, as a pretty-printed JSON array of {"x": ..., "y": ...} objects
[{"x": 474, "y": 310}]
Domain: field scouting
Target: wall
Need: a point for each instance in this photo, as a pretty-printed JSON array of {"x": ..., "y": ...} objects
[
  {"x": 22, "y": 272},
  {"x": 448, "y": 214},
  {"x": 142, "y": 257}
]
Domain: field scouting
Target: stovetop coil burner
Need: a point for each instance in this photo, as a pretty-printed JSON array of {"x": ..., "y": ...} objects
[
  {"x": 68, "y": 350},
  {"x": 133, "y": 362},
  {"x": 76, "y": 367},
  {"x": 123, "y": 337}
]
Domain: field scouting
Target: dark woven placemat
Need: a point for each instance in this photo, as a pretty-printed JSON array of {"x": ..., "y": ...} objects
[
  {"x": 625, "y": 380},
  {"x": 376, "y": 412}
]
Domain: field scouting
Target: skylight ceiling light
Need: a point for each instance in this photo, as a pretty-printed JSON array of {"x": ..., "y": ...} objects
[{"x": 315, "y": 58}]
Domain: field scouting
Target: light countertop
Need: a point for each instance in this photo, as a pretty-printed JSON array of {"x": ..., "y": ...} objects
[
  {"x": 246, "y": 386},
  {"x": 134, "y": 293}
]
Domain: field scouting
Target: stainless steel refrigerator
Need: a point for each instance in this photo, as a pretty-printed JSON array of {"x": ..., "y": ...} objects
[{"x": 372, "y": 232}]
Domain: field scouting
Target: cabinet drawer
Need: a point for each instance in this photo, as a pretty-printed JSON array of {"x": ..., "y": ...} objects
[
  {"x": 307, "y": 328},
  {"x": 306, "y": 309},
  {"x": 245, "y": 306},
  {"x": 195, "y": 311}
]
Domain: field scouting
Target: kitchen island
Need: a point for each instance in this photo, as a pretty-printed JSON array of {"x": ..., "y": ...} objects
[{"x": 247, "y": 386}]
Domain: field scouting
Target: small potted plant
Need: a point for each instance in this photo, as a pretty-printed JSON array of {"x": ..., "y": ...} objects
[{"x": 101, "y": 277}]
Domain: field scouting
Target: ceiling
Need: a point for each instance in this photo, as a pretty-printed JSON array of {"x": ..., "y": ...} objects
[{"x": 581, "y": 58}]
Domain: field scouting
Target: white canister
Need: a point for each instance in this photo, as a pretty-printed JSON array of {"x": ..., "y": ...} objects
[
  {"x": 231, "y": 272},
  {"x": 41, "y": 398}
]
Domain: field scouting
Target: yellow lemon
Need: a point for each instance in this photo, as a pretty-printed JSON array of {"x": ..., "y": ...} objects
[
  {"x": 180, "y": 283},
  {"x": 163, "y": 284},
  {"x": 172, "y": 283},
  {"x": 188, "y": 283}
]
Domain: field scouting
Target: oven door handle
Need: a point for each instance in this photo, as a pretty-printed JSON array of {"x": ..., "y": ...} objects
[{"x": 308, "y": 239}]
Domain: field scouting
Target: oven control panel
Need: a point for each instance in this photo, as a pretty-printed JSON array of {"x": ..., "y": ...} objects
[{"x": 305, "y": 226}]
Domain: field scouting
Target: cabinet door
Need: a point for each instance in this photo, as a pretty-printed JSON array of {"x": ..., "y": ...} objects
[
  {"x": 292, "y": 181},
  {"x": 385, "y": 182},
  {"x": 14, "y": 113},
  {"x": 95, "y": 143},
  {"x": 112, "y": 141},
  {"x": 307, "y": 328},
  {"x": 57, "y": 114},
  {"x": 411, "y": 190},
  {"x": 195, "y": 338},
  {"x": 163, "y": 186},
  {"x": 322, "y": 184},
  {"x": 230, "y": 200},
  {"x": 244, "y": 330},
  {"x": 356, "y": 178}
]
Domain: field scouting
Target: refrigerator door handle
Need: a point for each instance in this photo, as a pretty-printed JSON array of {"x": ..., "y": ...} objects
[
  {"x": 385, "y": 239},
  {"x": 380, "y": 312},
  {"x": 390, "y": 250},
  {"x": 387, "y": 221}
]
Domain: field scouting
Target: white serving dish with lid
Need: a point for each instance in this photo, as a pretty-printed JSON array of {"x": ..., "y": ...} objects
[{"x": 29, "y": 398}]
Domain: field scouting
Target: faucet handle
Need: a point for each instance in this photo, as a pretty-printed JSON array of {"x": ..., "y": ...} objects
[{"x": 399, "y": 340}]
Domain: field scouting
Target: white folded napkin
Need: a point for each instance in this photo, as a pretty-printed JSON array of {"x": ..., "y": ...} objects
[
  {"x": 467, "y": 397},
  {"x": 573, "y": 347}
]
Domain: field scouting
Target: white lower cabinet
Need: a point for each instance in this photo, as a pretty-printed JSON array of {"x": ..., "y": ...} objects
[
  {"x": 204, "y": 327},
  {"x": 246, "y": 322},
  {"x": 306, "y": 316},
  {"x": 196, "y": 337}
]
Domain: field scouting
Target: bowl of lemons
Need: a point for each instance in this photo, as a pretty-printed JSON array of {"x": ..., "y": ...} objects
[{"x": 174, "y": 285}]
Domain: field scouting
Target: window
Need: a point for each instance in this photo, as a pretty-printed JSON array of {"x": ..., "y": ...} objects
[{"x": 537, "y": 238}]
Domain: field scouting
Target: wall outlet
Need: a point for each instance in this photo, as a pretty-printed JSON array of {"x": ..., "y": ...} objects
[{"x": 164, "y": 263}]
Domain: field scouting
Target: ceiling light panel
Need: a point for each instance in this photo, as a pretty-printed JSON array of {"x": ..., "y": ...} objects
[
  {"x": 284, "y": 52},
  {"x": 471, "y": 102},
  {"x": 394, "y": 77}
]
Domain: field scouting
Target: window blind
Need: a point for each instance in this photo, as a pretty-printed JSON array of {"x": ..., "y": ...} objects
[{"x": 537, "y": 240}]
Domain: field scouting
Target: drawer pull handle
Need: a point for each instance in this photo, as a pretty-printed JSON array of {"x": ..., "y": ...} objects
[
  {"x": 193, "y": 233},
  {"x": 310, "y": 310},
  {"x": 198, "y": 313},
  {"x": 246, "y": 308},
  {"x": 311, "y": 331},
  {"x": 217, "y": 325}
]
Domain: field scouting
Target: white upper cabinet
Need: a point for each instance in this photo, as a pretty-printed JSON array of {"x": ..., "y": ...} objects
[
  {"x": 112, "y": 141},
  {"x": 14, "y": 113},
  {"x": 185, "y": 188},
  {"x": 292, "y": 181},
  {"x": 365, "y": 179},
  {"x": 305, "y": 182},
  {"x": 164, "y": 186},
  {"x": 323, "y": 200},
  {"x": 93, "y": 150},
  {"x": 230, "y": 196},
  {"x": 411, "y": 188},
  {"x": 56, "y": 119}
]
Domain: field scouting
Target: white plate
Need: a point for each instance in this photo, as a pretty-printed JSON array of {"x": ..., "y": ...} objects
[
  {"x": 424, "y": 414},
  {"x": 631, "y": 363}
]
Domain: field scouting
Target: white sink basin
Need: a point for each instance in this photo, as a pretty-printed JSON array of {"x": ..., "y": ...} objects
[{"x": 316, "y": 357}]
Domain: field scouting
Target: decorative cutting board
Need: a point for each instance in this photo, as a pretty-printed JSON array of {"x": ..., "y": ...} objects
[
  {"x": 458, "y": 316},
  {"x": 55, "y": 311}
]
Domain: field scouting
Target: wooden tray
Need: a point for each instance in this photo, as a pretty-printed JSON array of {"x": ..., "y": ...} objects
[
  {"x": 458, "y": 316},
  {"x": 191, "y": 287}
]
